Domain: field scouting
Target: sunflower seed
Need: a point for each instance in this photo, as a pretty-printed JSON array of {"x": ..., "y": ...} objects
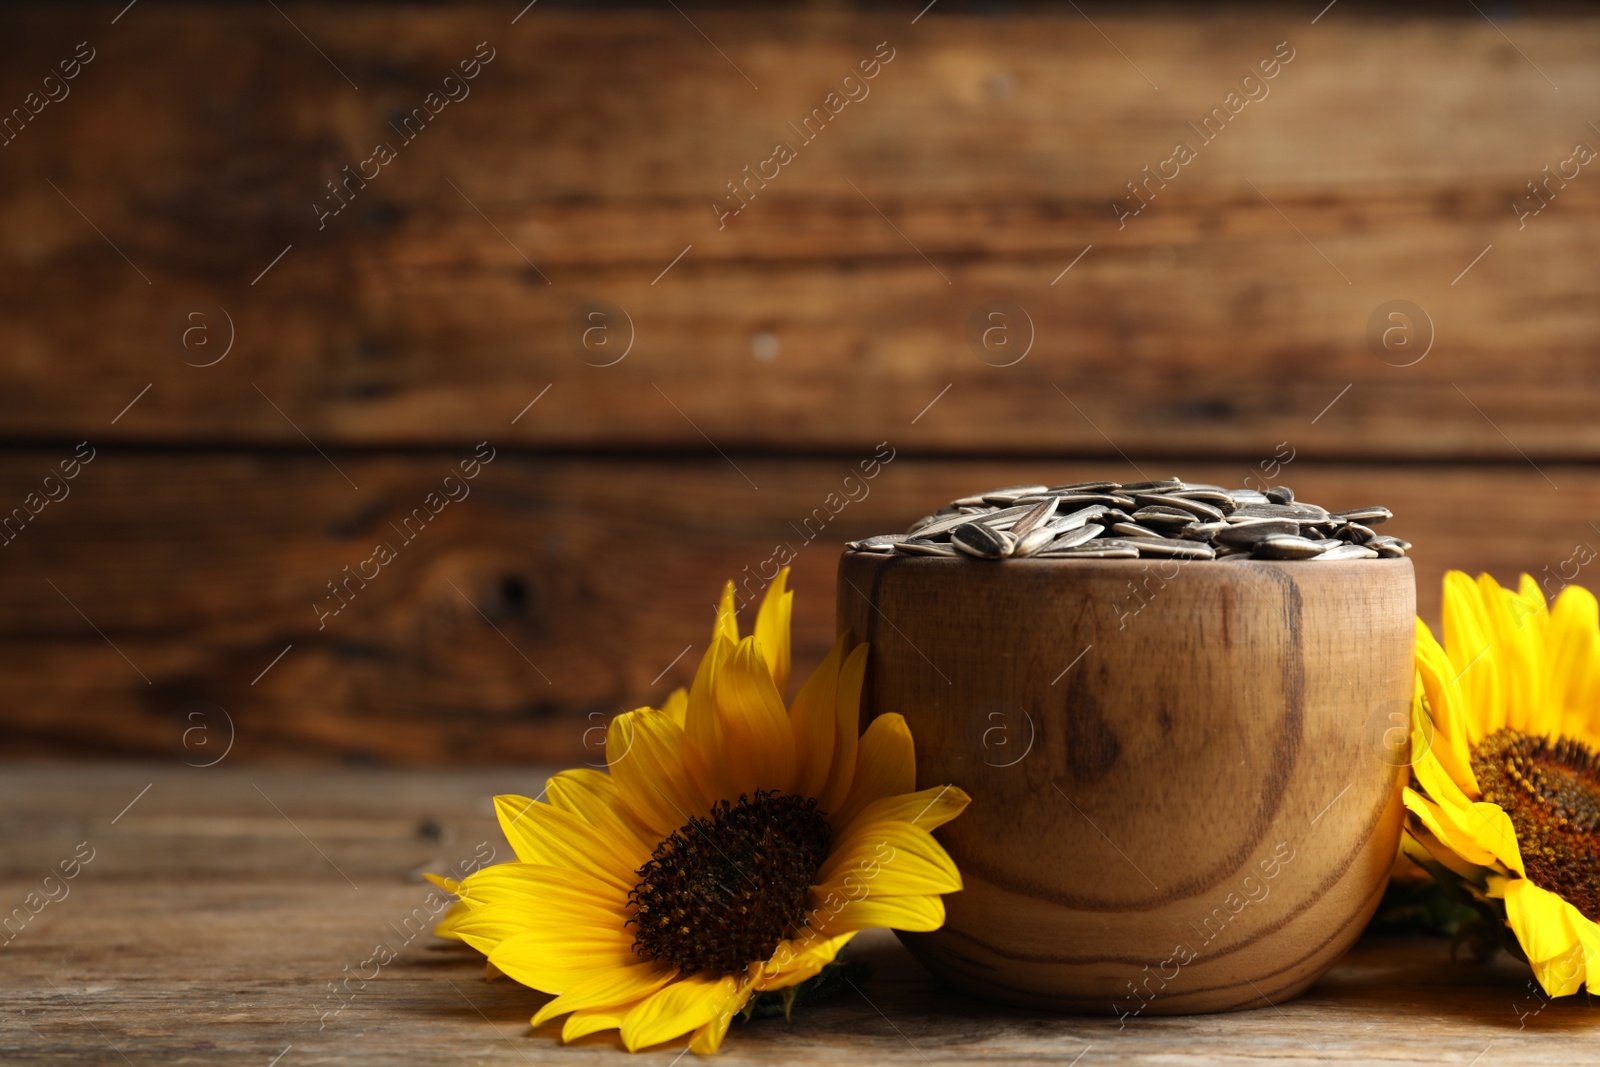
[
  {"x": 1348, "y": 552},
  {"x": 1216, "y": 496},
  {"x": 1011, "y": 493},
  {"x": 1246, "y": 534},
  {"x": 1073, "y": 538},
  {"x": 1041, "y": 512},
  {"x": 878, "y": 543},
  {"x": 1063, "y": 523},
  {"x": 926, "y": 548},
  {"x": 1161, "y": 486},
  {"x": 1371, "y": 516},
  {"x": 1093, "y": 550},
  {"x": 1083, "y": 487},
  {"x": 1305, "y": 514},
  {"x": 1198, "y": 509},
  {"x": 1164, "y": 516},
  {"x": 1166, "y": 547},
  {"x": 1204, "y": 531},
  {"x": 981, "y": 540},
  {"x": 1287, "y": 546},
  {"x": 1156, "y": 519}
]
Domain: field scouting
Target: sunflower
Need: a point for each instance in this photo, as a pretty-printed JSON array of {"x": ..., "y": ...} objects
[
  {"x": 1504, "y": 802},
  {"x": 733, "y": 849}
]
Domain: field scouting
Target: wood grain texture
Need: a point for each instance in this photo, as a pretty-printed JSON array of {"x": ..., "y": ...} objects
[
  {"x": 1222, "y": 319},
  {"x": 599, "y": 573},
  {"x": 1180, "y": 804},
  {"x": 164, "y": 952}
]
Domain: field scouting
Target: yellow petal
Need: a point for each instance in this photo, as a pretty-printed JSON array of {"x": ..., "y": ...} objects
[
  {"x": 893, "y": 913},
  {"x": 646, "y": 751},
  {"x": 708, "y": 1037},
  {"x": 886, "y": 766},
  {"x": 586, "y": 1021},
  {"x": 541, "y": 833},
  {"x": 558, "y": 956},
  {"x": 727, "y": 624},
  {"x": 846, "y": 729},
  {"x": 607, "y": 989},
  {"x": 1491, "y": 828},
  {"x": 1454, "y": 726},
  {"x": 1453, "y": 837},
  {"x": 702, "y": 745},
  {"x": 1516, "y": 635},
  {"x": 772, "y": 629},
  {"x": 593, "y": 796},
  {"x": 683, "y": 1005},
  {"x": 1468, "y": 642},
  {"x": 756, "y": 742},
  {"x": 886, "y": 859},
  {"x": 796, "y": 960},
  {"x": 812, "y": 720},
  {"x": 1574, "y": 640},
  {"x": 1589, "y": 935},
  {"x": 927, "y": 808},
  {"x": 677, "y": 705},
  {"x": 1539, "y": 919}
]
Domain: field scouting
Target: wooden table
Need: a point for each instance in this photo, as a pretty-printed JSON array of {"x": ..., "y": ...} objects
[{"x": 220, "y": 904}]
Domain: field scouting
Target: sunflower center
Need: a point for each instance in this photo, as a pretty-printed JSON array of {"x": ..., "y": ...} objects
[
  {"x": 722, "y": 892},
  {"x": 1551, "y": 791}
]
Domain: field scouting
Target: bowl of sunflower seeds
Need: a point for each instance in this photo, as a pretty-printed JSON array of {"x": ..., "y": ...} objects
[{"x": 1181, "y": 713}]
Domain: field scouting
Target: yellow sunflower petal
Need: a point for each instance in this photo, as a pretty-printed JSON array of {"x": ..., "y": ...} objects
[
  {"x": 846, "y": 729},
  {"x": 593, "y": 796},
  {"x": 1574, "y": 636},
  {"x": 676, "y": 705},
  {"x": 702, "y": 745},
  {"x": 586, "y": 1021},
  {"x": 708, "y": 1037},
  {"x": 556, "y": 956},
  {"x": 886, "y": 859},
  {"x": 1539, "y": 919},
  {"x": 1454, "y": 729},
  {"x": 928, "y": 808},
  {"x": 542, "y": 833},
  {"x": 645, "y": 749},
  {"x": 1468, "y": 641},
  {"x": 727, "y": 624},
  {"x": 534, "y": 883},
  {"x": 812, "y": 719},
  {"x": 800, "y": 958},
  {"x": 772, "y": 629},
  {"x": 886, "y": 766},
  {"x": 607, "y": 989},
  {"x": 1491, "y": 828},
  {"x": 1453, "y": 837},
  {"x": 894, "y": 913},
  {"x": 1589, "y": 936},
  {"x": 682, "y": 1006},
  {"x": 1515, "y": 635},
  {"x": 757, "y": 744}
]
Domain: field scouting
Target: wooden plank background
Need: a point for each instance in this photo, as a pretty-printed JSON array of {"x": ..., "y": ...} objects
[{"x": 1224, "y": 325}]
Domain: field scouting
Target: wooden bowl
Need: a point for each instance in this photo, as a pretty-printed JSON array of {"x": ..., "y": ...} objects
[{"x": 1185, "y": 779}]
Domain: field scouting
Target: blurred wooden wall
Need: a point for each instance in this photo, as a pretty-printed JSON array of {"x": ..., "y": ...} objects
[{"x": 164, "y": 206}]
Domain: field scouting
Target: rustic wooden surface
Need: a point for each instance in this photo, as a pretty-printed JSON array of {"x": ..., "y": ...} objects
[
  {"x": 208, "y": 925},
  {"x": 1220, "y": 330},
  {"x": 1219, "y": 753},
  {"x": 592, "y": 577},
  {"x": 199, "y": 138}
]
